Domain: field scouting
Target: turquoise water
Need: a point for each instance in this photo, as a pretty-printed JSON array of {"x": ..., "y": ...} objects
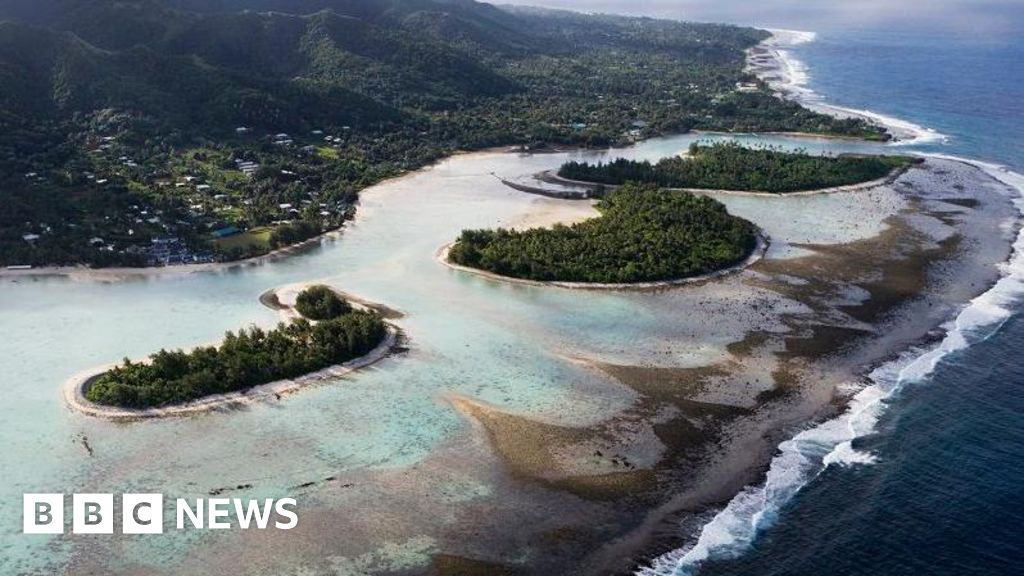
[
  {"x": 939, "y": 497},
  {"x": 498, "y": 343},
  {"x": 935, "y": 489}
]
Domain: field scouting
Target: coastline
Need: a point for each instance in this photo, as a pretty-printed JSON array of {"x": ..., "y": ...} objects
[
  {"x": 766, "y": 420},
  {"x": 798, "y": 459},
  {"x": 552, "y": 177},
  {"x": 77, "y": 386},
  {"x": 772, "y": 62},
  {"x": 282, "y": 300},
  {"x": 758, "y": 252},
  {"x": 117, "y": 274}
]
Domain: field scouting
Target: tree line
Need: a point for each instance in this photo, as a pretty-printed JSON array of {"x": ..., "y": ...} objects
[{"x": 730, "y": 166}]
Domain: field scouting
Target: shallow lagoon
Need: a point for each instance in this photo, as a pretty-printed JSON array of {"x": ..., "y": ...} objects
[{"x": 498, "y": 343}]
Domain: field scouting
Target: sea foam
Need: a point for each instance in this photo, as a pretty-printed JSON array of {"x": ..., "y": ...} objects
[
  {"x": 791, "y": 78},
  {"x": 798, "y": 460},
  {"x": 810, "y": 452}
]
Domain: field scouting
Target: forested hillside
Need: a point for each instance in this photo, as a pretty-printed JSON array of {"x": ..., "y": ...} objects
[{"x": 225, "y": 128}]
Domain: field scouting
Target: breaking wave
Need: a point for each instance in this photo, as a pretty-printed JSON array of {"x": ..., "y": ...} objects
[
  {"x": 800, "y": 459},
  {"x": 790, "y": 77},
  {"x": 810, "y": 452}
]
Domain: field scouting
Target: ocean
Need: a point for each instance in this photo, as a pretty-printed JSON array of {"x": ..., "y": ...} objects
[
  {"x": 922, "y": 476},
  {"x": 930, "y": 482}
]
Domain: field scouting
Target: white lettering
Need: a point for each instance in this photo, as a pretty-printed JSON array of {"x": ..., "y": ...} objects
[
  {"x": 185, "y": 510},
  {"x": 253, "y": 510},
  {"x": 217, "y": 508},
  {"x": 280, "y": 508}
]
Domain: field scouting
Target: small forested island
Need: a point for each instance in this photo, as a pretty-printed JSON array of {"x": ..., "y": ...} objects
[
  {"x": 642, "y": 235},
  {"x": 730, "y": 166},
  {"x": 158, "y": 132},
  {"x": 249, "y": 358}
]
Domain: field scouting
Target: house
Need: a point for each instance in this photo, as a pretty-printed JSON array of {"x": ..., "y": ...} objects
[
  {"x": 241, "y": 130},
  {"x": 96, "y": 241},
  {"x": 248, "y": 168},
  {"x": 30, "y": 237}
]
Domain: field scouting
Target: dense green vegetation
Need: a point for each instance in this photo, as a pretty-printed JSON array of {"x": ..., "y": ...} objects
[
  {"x": 249, "y": 358},
  {"x": 643, "y": 234},
  {"x": 729, "y": 166},
  {"x": 321, "y": 303},
  {"x": 124, "y": 121}
]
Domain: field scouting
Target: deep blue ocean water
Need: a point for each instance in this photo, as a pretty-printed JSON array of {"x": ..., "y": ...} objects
[{"x": 946, "y": 493}]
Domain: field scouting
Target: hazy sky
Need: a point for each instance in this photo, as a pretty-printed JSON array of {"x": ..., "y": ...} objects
[{"x": 1000, "y": 17}]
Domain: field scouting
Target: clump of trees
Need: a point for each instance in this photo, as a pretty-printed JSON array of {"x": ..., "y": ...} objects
[
  {"x": 321, "y": 303},
  {"x": 643, "y": 234},
  {"x": 730, "y": 166},
  {"x": 245, "y": 359}
]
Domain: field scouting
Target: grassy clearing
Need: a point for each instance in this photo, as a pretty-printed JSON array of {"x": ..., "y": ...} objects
[{"x": 255, "y": 238}]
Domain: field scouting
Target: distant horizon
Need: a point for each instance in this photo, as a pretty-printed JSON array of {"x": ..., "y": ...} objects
[{"x": 987, "y": 18}]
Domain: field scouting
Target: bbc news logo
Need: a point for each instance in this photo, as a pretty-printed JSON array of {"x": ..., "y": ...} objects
[{"x": 144, "y": 513}]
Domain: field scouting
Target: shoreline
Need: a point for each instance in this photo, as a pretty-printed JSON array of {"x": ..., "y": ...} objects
[
  {"x": 758, "y": 252},
  {"x": 552, "y": 177},
  {"x": 116, "y": 274},
  {"x": 801, "y": 135},
  {"x": 272, "y": 299},
  {"x": 121, "y": 273},
  {"x": 77, "y": 386},
  {"x": 772, "y": 63},
  {"x": 125, "y": 273},
  {"x": 856, "y": 412}
]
